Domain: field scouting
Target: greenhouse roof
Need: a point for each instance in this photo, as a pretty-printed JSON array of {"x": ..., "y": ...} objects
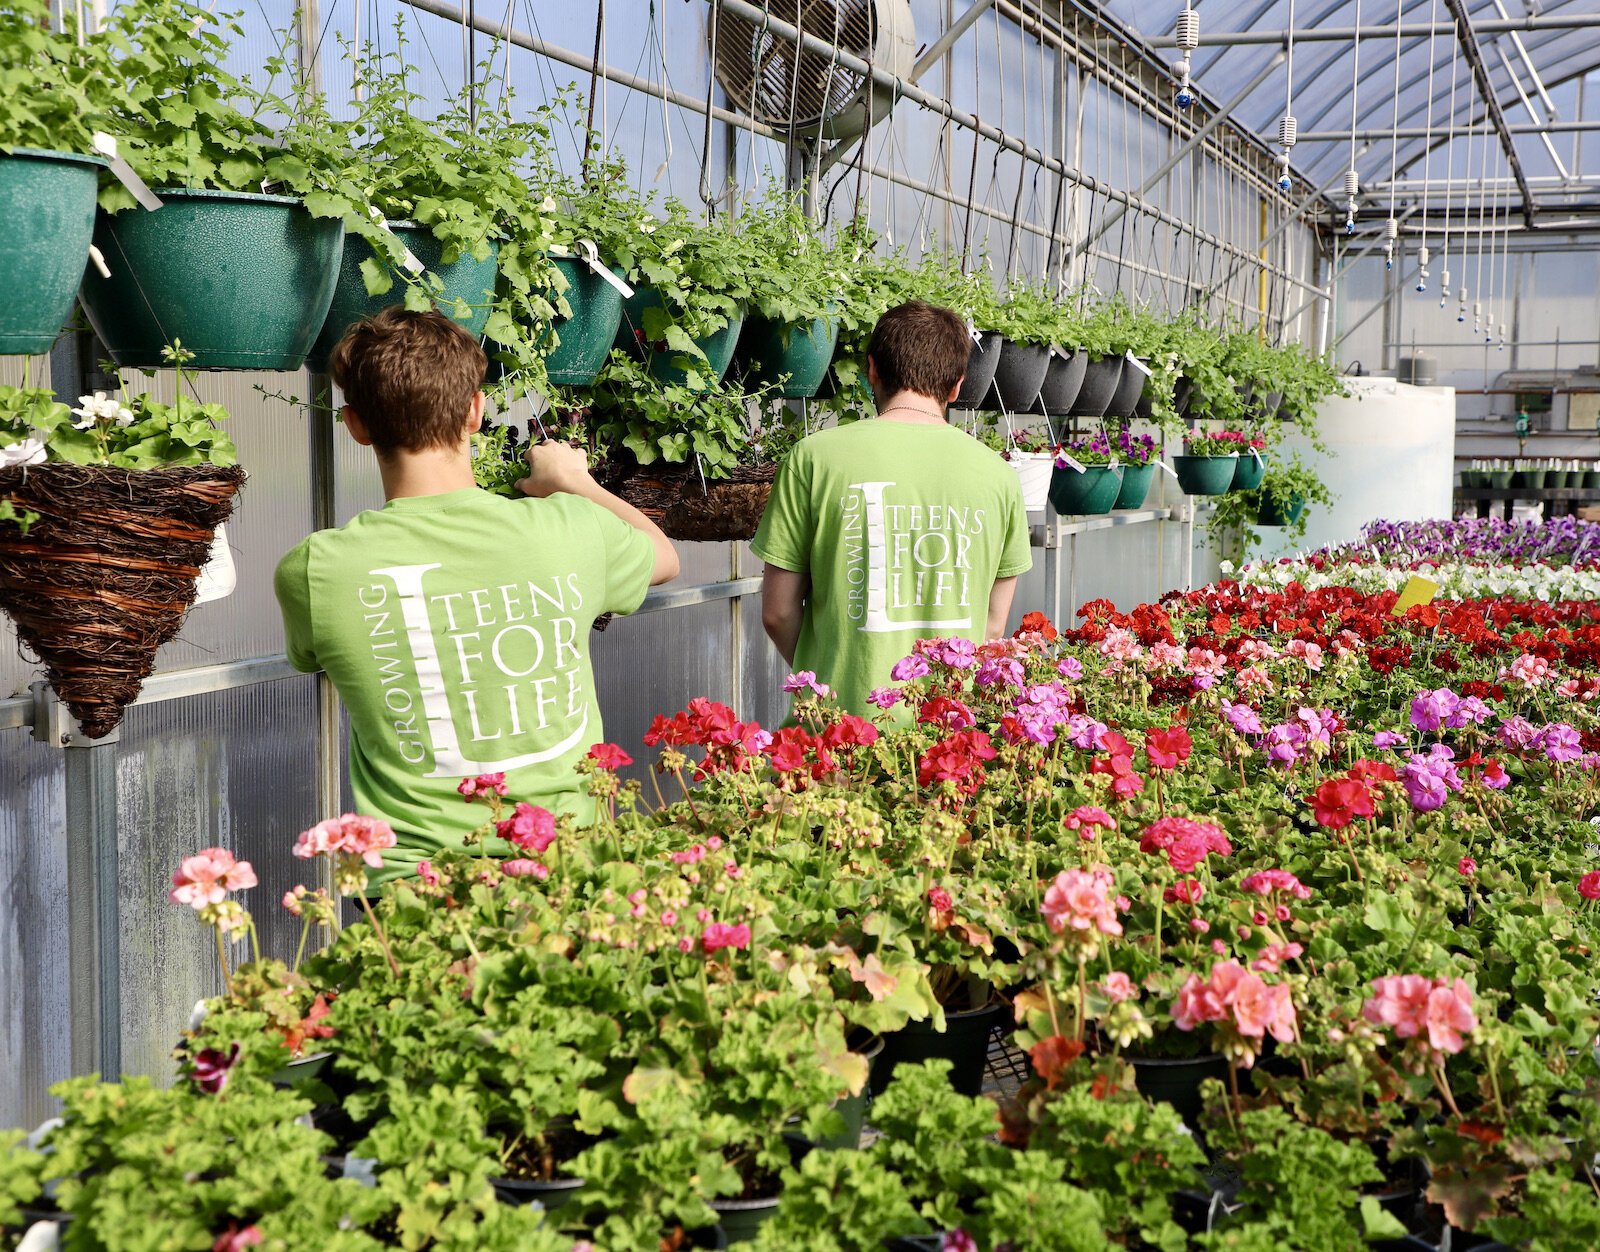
[{"x": 1409, "y": 87}]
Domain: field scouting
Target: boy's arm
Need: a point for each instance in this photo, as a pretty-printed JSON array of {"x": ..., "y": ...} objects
[
  {"x": 1000, "y": 596},
  {"x": 783, "y": 607},
  {"x": 292, "y": 584},
  {"x": 558, "y": 467}
]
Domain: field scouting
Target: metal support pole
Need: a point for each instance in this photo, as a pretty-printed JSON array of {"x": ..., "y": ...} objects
[
  {"x": 1467, "y": 37},
  {"x": 324, "y": 514},
  {"x": 1224, "y": 114},
  {"x": 1406, "y": 30},
  {"x": 946, "y": 41}
]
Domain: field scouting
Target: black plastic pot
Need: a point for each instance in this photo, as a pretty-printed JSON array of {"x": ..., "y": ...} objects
[
  {"x": 964, "y": 1043},
  {"x": 707, "y": 1237},
  {"x": 1269, "y": 403},
  {"x": 742, "y": 1219},
  {"x": 982, "y": 362},
  {"x": 301, "y": 1067},
  {"x": 1177, "y": 1081},
  {"x": 1129, "y": 388},
  {"x": 1100, "y": 382},
  {"x": 1018, "y": 376},
  {"x": 1062, "y": 382},
  {"x": 1181, "y": 391},
  {"x": 550, "y": 1195}
]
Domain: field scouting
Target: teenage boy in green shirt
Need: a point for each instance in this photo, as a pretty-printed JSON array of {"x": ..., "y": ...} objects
[
  {"x": 455, "y": 623},
  {"x": 885, "y": 531}
]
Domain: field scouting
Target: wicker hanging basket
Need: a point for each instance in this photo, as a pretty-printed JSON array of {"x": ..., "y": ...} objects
[
  {"x": 695, "y": 511},
  {"x": 105, "y": 575}
]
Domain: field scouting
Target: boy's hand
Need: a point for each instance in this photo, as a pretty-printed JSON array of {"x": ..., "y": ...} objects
[{"x": 555, "y": 467}]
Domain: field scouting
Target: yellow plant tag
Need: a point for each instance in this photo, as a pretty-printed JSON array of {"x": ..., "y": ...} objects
[{"x": 1418, "y": 590}]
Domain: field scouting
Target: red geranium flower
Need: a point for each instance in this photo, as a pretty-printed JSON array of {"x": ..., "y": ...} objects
[
  {"x": 1168, "y": 748},
  {"x": 1339, "y": 801}
]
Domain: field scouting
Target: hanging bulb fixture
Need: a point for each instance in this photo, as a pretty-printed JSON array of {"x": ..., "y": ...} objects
[
  {"x": 1187, "y": 37},
  {"x": 1352, "y": 191},
  {"x": 1391, "y": 232},
  {"x": 1477, "y": 317},
  {"x": 1422, "y": 275},
  {"x": 1287, "y": 127},
  {"x": 1444, "y": 287}
]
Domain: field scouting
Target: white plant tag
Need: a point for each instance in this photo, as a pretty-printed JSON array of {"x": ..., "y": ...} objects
[
  {"x": 106, "y": 146},
  {"x": 364, "y": 1169},
  {"x": 1167, "y": 468},
  {"x": 218, "y": 577},
  {"x": 974, "y": 334},
  {"x": 1115, "y": 464},
  {"x": 410, "y": 262},
  {"x": 98, "y": 260},
  {"x": 1255, "y": 454},
  {"x": 41, "y": 1237},
  {"x": 591, "y": 258},
  {"x": 1137, "y": 364},
  {"x": 37, "y": 1135},
  {"x": 1057, "y": 350},
  {"x": 1070, "y": 461}
]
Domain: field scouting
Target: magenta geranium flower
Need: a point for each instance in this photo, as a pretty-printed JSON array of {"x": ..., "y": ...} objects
[{"x": 719, "y": 935}]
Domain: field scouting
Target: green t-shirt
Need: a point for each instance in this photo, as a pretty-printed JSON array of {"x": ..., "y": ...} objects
[
  {"x": 903, "y": 529},
  {"x": 456, "y": 629}
]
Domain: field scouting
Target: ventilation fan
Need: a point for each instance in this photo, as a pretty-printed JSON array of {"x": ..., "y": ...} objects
[{"x": 799, "y": 92}]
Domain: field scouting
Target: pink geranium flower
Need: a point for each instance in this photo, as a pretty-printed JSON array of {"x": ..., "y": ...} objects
[
  {"x": 1589, "y": 885},
  {"x": 350, "y": 835},
  {"x": 208, "y": 877},
  {"x": 719, "y": 935},
  {"x": 531, "y": 828},
  {"x": 1434, "y": 1011},
  {"x": 1081, "y": 900}
]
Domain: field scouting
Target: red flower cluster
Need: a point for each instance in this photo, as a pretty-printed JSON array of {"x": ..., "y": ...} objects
[
  {"x": 1036, "y": 623},
  {"x": 1119, "y": 764},
  {"x": 1339, "y": 801},
  {"x": 956, "y": 758},
  {"x": 1168, "y": 748},
  {"x": 609, "y": 756},
  {"x": 946, "y": 712},
  {"x": 1185, "y": 842},
  {"x": 730, "y": 744}
]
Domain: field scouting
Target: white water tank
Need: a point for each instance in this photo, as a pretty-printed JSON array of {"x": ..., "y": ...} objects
[{"x": 1392, "y": 457}]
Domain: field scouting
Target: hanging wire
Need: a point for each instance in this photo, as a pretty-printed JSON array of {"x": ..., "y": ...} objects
[
  {"x": 1392, "y": 227},
  {"x": 1352, "y": 180},
  {"x": 1427, "y": 151},
  {"x": 1450, "y": 171},
  {"x": 1287, "y": 127}
]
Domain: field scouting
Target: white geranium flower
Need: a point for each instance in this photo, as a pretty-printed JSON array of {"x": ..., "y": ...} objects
[
  {"x": 100, "y": 408},
  {"x": 647, "y": 226},
  {"x": 549, "y": 205},
  {"x": 30, "y": 451}
]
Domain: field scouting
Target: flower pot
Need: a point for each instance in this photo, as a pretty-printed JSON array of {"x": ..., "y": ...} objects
[
  {"x": 1528, "y": 478},
  {"x": 964, "y": 1043},
  {"x": 1062, "y": 382},
  {"x": 666, "y": 366},
  {"x": 982, "y": 362},
  {"x": 550, "y": 1195},
  {"x": 1177, "y": 1081},
  {"x": 106, "y": 574},
  {"x": 1270, "y": 513},
  {"x": 792, "y": 357},
  {"x": 1136, "y": 480},
  {"x": 1018, "y": 376},
  {"x": 1591, "y": 478},
  {"x": 742, "y": 1219},
  {"x": 585, "y": 338},
  {"x": 1248, "y": 472},
  {"x": 1499, "y": 478},
  {"x": 1182, "y": 390},
  {"x": 1091, "y": 490},
  {"x": 244, "y": 281},
  {"x": 48, "y": 199},
  {"x": 854, "y": 1108},
  {"x": 1269, "y": 402},
  {"x": 1129, "y": 388},
  {"x": 1100, "y": 382},
  {"x": 707, "y": 1237},
  {"x": 301, "y": 1067},
  {"x": 464, "y": 279},
  {"x": 1204, "y": 475},
  {"x": 1556, "y": 478},
  {"x": 1034, "y": 470}
]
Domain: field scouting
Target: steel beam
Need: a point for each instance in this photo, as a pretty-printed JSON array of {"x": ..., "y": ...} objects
[
  {"x": 1468, "y": 40},
  {"x": 946, "y": 41},
  {"x": 1405, "y": 30},
  {"x": 1437, "y": 132}
]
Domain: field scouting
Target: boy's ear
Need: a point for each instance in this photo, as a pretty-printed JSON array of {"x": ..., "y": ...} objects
[
  {"x": 356, "y": 427},
  {"x": 955, "y": 391},
  {"x": 872, "y": 372},
  {"x": 475, "y": 414}
]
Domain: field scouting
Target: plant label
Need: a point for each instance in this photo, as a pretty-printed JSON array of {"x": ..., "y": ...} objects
[
  {"x": 1137, "y": 363},
  {"x": 106, "y": 146},
  {"x": 410, "y": 261},
  {"x": 591, "y": 258},
  {"x": 218, "y": 577},
  {"x": 1418, "y": 590},
  {"x": 1070, "y": 462}
]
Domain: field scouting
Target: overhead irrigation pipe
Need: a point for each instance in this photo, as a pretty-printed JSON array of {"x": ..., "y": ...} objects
[
  {"x": 946, "y": 41},
  {"x": 1189, "y": 145},
  {"x": 1423, "y": 132},
  {"x": 1405, "y": 30},
  {"x": 962, "y": 118},
  {"x": 1491, "y": 102},
  {"x": 1516, "y": 82}
]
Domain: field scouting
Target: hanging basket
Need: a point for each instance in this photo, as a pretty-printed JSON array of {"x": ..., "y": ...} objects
[
  {"x": 465, "y": 278},
  {"x": 1130, "y": 388},
  {"x": 792, "y": 357},
  {"x": 1247, "y": 475},
  {"x": 1062, "y": 382},
  {"x": 48, "y": 200},
  {"x": 1100, "y": 383},
  {"x": 106, "y": 574},
  {"x": 671, "y": 368},
  {"x": 1136, "y": 483},
  {"x": 1018, "y": 375},
  {"x": 244, "y": 281},
  {"x": 585, "y": 337},
  {"x": 982, "y": 362},
  {"x": 717, "y": 511}
]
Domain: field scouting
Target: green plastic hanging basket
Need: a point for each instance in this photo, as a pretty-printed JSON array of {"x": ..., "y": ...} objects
[
  {"x": 585, "y": 337},
  {"x": 1205, "y": 475},
  {"x": 671, "y": 368},
  {"x": 464, "y": 279},
  {"x": 791, "y": 356},
  {"x": 244, "y": 281},
  {"x": 1270, "y": 513},
  {"x": 1136, "y": 480},
  {"x": 1092, "y": 490},
  {"x": 48, "y": 200},
  {"x": 1247, "y": 474}
]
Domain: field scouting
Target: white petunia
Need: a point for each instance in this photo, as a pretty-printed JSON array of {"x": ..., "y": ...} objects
[{"x": 30, "y": 451}]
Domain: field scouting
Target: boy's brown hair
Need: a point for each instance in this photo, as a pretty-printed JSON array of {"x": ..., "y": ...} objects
[
  {"x": 920, "y": 347},
  {"x": 411, "y": 376}
]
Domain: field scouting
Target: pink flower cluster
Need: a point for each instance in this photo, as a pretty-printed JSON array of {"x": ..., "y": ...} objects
[
  {"x": 482, "y": 785},
  {"x": 1082, "y": 900},
  {"x": 1185, "y": 842},
  {"x": 1437, "y": 1012},
  {"x": 208, "y": 876},
  {"x": 349, "y": 835},
  {"x": 1233, "y": 995},
  {"x": 1085, "y": 818},
  {"x": 529, "y": 827},
  {"x": 719, "y": 935},
  {"x": 1265, "y": 881}
]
